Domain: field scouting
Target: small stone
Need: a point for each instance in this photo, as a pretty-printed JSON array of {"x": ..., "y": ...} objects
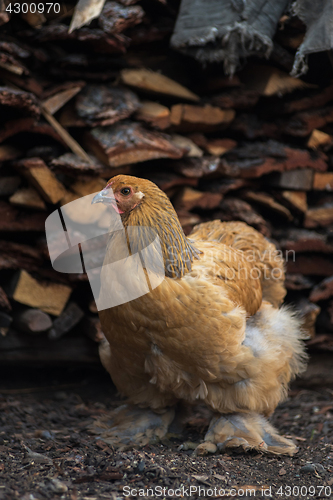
[
  {"x": 57, "y": 486},
  {"x": 313, "y": 468},
  {"x": 141, "y": 466}
]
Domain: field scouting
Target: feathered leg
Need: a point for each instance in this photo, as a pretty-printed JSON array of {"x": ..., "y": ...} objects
[
  {"x": 130, "y": 425},
  {"x": 245, "y": 430}
]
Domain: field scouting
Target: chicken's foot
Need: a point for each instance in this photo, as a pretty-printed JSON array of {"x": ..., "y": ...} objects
[
  {"x": 129, "y": 426},
  {"x": 247, "y": 431}
]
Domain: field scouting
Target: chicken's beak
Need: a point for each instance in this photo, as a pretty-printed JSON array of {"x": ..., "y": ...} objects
[{"x": 103, "y": 197}]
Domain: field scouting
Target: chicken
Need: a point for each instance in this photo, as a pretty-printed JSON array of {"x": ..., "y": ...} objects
[{"x": 212, "y": 331}]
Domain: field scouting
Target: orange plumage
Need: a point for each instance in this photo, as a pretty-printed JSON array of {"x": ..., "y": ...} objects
[{"x": 211, "y": 331}]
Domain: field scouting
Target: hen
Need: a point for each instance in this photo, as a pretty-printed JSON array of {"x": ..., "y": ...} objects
[{"x": 211, "y": 331}]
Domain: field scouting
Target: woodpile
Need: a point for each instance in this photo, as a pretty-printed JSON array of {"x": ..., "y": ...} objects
[{"x": 80, "y": 107}]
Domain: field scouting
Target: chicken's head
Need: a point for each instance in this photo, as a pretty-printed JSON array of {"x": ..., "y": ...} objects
[{"x": 122, "y": 192}]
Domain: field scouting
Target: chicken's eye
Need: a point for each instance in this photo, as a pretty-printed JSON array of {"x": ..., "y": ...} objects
[{"x": 125, "y": 191}]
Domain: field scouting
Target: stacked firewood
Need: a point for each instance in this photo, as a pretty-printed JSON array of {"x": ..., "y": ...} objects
[{"x": 78, "y": 108}]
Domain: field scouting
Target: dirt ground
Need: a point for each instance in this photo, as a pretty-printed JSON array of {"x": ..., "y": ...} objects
[{"x": 47, "y": 451}]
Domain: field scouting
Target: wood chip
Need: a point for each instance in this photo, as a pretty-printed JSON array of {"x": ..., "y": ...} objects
[
  {"x": 151, "y": 81},
  {"x": 49, "y": 297}
]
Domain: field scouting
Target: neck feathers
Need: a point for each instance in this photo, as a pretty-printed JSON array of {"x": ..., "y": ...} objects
[{"x": 157, "y": 212}]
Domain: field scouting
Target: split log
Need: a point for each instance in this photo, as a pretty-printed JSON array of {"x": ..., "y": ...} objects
[
  {"x": 311, "y": 265},
  {"x": 116, "y": 18},
  {"x": 149, "y": 81},
  {"x": 318, "y": 139},
  {"x": 190, "y": 149},
  {"x": 296, "y": 200},
  {"x": 218, "y": 147},
  {"x": 8, "y": 185},
  {"x": 302, "y": 124},
  {"x": 8, "y": 153},
  {"x": 88, "y": 186},
  {"x": 268, "y": 202},
  {"x": 268, "y": 81},
  {"x": 190, "y": 198},
  {"x": 257, "y": 158},
  {"x": 31, "y": 125},
  {"x": 323, "y": 291},
  {"x": 13, "y": 219},
  {"x": 27, "y": 198},
  {"x": 58, "y": 100},
  {"x": 43, "y": 179},
  {"x": 186, "y": 117},
  {"x": 24, "y": 101},
  {"x": 300, "y": 180},
  {"x": 234, "y": 209},
  {"x": 19, "y": 256},
  {"x": 303, "y": 240},
  {"x": 105, "y": 105},
  {"x": 197, "y": 167},
  {"x": 316, "y": 99},
  {"x": 129, "y": 143},
  {"x": 236, "y": 99},
  {"x": 4, "y": 302},
  {"x": 49, "y": 297},
  {"x": 33, "y": 321},
  {"x": 5, "y": 322},
  {"x": 72, "y": 164},
  {"x": 308, "y": 315},
  {"x": 323, "y": 181},
  {"x": 155, "y": 114},
  {"x": 298, "y": 282},
  {"x": 20, "y": 348},
  {"x": 321, "y": 216},
  {"x": 69, "y": 318}
]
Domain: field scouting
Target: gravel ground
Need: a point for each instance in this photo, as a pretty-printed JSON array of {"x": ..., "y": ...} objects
[{"x": 47, "y": 451}]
